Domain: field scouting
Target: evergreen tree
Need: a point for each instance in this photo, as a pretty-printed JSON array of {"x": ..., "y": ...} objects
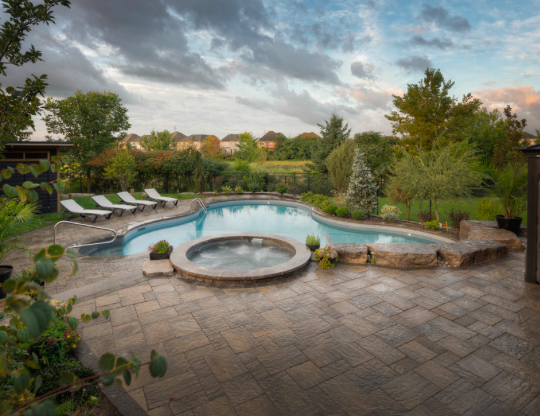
[
  {"x": 362, "y": 193},
  {"x": 333, "y": 133}
]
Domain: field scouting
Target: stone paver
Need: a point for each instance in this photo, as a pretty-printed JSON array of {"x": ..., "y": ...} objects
[{"x": 352, "y": 340}]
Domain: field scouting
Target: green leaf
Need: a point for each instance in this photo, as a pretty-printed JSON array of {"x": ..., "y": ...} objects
[
  {"x": 34, "y": 171},
  {"x": 29, "y": 185},
  {"x": 22, "y": 381},
  {"x": 108, "y": 380},
  {"x": 127, "y": 377},
  {"x": 45, "y": 409},
  {"x": 44, "y": 267},
  {"x": 31, "y": 364},
  {"x": 32, "y": 195},
  {"x": 73, "y": 322},
  {"x": 158, "y": 365},
  {"x": 95, "y": 315},
  {"x": 49, "y": 189},
  {"x": 9, "y": 286},
  {"x": 106, "y": 313},
  {"x": 55, "y": 250},
  {"x": 38, "y": 382},
  {"x": 106, "y": 362},
  {"x": 23, "y": 334},
  {"x": 2, "y": 315},
  {"x": 6, "y": 173},
  {"x": 67, "y": 378},
  {"x": 59, "y": 187},
  {"x": 10, "y": 191},
  {"x": 21, "y": 194},
  {"x": 22, "y": 168},
  {"x": 86, "y": 318},
  {"x": 3, "y": 337},
  {"x": 36, "y": 317},
  {"x": 45, "y": 164},
  {"x": 121, "y": 362}
]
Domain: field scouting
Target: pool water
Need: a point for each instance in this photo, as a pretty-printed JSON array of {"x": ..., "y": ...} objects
[
  {"x": 240, "y": 254},
  {"x": 288, "y": 220}
]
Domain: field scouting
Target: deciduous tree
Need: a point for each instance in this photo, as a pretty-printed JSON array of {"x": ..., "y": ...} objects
[
  {"x": 427, "y": 113},
  {"x": 158, "y": 140},
  {"x": 339, "y": 165},
  {"x": 211, "y": 147},
  {"x": 378, "y": 150},
  {"x": 93, "y": 122},
  {"x": 507, "y": 148},
  {"x": 248, "y": 148},
  {"x": 19, "y": 104}
]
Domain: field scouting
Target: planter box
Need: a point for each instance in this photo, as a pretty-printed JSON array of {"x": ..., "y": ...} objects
[
  {"x": 161, "y": 256},
  {"x": 313, "y": 247}
]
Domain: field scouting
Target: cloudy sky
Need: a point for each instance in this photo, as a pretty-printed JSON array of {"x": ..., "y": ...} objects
[{"x": 227, "y": 66}]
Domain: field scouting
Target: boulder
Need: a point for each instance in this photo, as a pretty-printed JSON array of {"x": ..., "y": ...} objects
[
  {"x": 154, "y": 268},
  {"x": 352, "y": 253},
  {"x": 465, "y": 227},
  {"x": 495, "y": 234},
  {"x": 467, "y": 252},
  {"x": 403, "y": 255}
]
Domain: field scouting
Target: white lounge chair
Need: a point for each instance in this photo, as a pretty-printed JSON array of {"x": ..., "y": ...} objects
[
  {"x": 72, "y": 207},
  {"x": 118, "y": 209},
  {"x": 155, "y": 196},
  {"x": 141, "y": 205}
]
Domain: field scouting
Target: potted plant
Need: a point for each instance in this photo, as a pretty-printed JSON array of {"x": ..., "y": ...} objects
[
  {"x": 510, "y": 190},
  {"x": 160, "y": 251},
  {"x": 16, "y": 217},
  {"x": 313, "y": 242}
]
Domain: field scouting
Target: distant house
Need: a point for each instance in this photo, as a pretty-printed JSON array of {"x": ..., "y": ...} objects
[
  {"x": 530, "y": 138},
  {"x": 229, "y": 144},
  {"x": 269, "y": 140},
  {"x": 195, "y": 140},
  {"x": 133, "y": 139},
  {"x": 178, "y": 138},
  {"x": 315, "y": 135}
]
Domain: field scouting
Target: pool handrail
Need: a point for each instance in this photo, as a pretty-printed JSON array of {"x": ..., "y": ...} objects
[{"x": 89, "y": 226}]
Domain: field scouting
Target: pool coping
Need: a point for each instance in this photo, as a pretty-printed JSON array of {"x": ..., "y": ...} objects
[
  {"x": 318, "y": 215},
  {"x": 188, "y": 269}
]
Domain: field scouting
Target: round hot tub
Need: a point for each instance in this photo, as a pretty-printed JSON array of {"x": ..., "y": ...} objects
[{"x": 239, "y": 258}]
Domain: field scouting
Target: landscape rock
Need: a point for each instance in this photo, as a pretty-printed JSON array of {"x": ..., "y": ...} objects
[
  {"x": 467, "y": 252},
  {"x": 466, "y": 226},
  {"x": 351, "y": 253},
  {"x": 403, "y": 255},
  {"x": 495, "y": 234},
  {"x": 154, "y": 268}
]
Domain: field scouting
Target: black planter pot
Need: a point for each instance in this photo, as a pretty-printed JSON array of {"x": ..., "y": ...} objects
[
  {"x": 4, "y": 275},
  {"x": 510, "y": 224},
  {"x": 161, "y": 256},
  {"x": 313, "y": 247}
]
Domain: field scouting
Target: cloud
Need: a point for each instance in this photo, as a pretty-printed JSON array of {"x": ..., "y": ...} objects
[
  {"x": 374, "y": 99},
  {"x": 414, "y": 63},
  {"x": 525, "y": 100},
  {"x": 362, "y": 71},
  {"x": 352, "y": 43},
  {"x": 419, "y": 40},
  {"x": 441, "y": 17}
]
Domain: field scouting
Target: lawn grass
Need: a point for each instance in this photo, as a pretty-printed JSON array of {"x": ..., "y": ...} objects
[
  {"x": 87, "y": 202},
  {"x": 463, "y": 204},
  {"x": 277, "y": 166}
]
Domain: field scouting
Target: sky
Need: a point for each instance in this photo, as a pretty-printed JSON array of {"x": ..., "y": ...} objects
[{"x": 228, "y": 66}]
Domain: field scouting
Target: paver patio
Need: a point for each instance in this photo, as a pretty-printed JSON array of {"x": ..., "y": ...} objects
[{"x": 353, "y": 340}]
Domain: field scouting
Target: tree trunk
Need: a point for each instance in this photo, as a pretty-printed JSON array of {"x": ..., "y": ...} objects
[
  {"x": 408, "y": 205},
  {"x": 437, "y": 212}
]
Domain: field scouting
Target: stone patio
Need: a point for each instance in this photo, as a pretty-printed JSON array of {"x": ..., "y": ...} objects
[{"x": 353, "y": 340}]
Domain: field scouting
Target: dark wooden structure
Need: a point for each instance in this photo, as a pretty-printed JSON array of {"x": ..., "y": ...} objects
[
  {"x": 32, "y": 152},
  {"x": 532, "y": 272}
]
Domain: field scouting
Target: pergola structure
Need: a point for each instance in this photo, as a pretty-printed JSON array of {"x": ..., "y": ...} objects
[{"x": 532, "y": 272}]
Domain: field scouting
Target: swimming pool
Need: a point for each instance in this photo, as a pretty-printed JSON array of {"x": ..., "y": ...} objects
[{"x": 287, "y": 219}]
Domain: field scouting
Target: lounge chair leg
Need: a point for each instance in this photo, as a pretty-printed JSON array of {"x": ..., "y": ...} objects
[
  {"x": 121, "y": 212},
  {"x": 141, "y": 208},
  {"x": 108, "y": 217},
  {"x": 176, "y": 204},
  {"x": 65, "y": 217},
  {"x": 154, "y": 206},
  {"x": 133, "y": 210},
  {"x": 90, "y": 219}
]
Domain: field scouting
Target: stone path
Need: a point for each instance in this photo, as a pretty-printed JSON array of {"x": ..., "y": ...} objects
[{"x": 353, "y": 340}]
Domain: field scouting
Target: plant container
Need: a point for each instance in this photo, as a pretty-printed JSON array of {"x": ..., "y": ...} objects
[
  {"x": 313, "y": 247},
  {"x": 161, "y": 256},
  {"x": 5, "y": 274},
  {"x": 510, "y": 224}
]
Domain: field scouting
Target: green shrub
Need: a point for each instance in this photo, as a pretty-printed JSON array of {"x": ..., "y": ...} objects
[
  {"x": 487, "y": 209},
  {"x": 329, "y": 209},
  {"x": 226, "y": 190},
  {"x": 425, "y": 216},
  {"x": 238, "y": 190},
  {"x": 311, "y": 240},
  {"x": 358, "y": 214},
  {"x": 306, "y": 196},
  {"x": 432, "y": 225},
  {"x": 390, "y": 213},
  {"x": 282, "y": 188},
  {"x": 327, "y": 256},
  {"x": 342, "y": 212},
  {"x": 161, "y": 247},
  {"x": 51, "y": 374},
  {"x": 242, "y": 166},
  {"x": 253, "y": 186}
]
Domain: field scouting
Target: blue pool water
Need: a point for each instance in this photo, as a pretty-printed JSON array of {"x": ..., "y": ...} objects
[{"x": 290, "y": 220}]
